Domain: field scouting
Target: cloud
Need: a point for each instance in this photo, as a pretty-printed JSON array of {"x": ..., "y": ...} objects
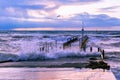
[
  {"x": 36, "y": 29},
  {"x": 27, "y": 8},
  {"x": 90, "y": 21},
  {"x": 40, "y": 4},
  {"x": 109, "y": 9},
  {"x": 39, "y": 14},
  {"x": 30, "y": 4},
  {"x": 35, "y": 8},
  {"x": 76, "y": 1},
  {"x": 101, "y": 20}
]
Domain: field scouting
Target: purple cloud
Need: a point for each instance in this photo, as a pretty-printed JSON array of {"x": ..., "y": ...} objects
[
  {"x": 17, "y": 14},
  {"x": 109, "y": 9},
  {"x": 101, "y": 20}
]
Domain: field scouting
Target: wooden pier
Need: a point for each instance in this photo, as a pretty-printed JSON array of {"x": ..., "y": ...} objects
[{"x": 69, "y": 42}]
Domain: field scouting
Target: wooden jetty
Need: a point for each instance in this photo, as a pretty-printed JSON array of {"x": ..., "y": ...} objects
[
  {"x": 84, "y": 42},
  {"x": 70, "y": 41}
]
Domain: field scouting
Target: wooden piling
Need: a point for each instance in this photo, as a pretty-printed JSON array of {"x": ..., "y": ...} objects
[
  {"x": 98, "y": 49},
  {"x": 69, "y": 42},
  {"x": 46, "y": 46},
  {"x": 51, "y": 45},
  {"x": 56, "y": 43},
  {"x": 40, "y": 49},
  {"x": 43, "y": 48},
  {"x": 84, "y": 48},
  {"x": 103, "y": 55},
  {"x": 90, "y": 49}
]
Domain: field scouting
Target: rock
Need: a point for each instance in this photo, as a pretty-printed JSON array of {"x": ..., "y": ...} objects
[
  {"x": 93, "y": 58},
  {"x": 98, "y": 64}
]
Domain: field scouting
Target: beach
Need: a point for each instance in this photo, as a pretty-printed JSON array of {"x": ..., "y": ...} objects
[
  {"x": 53, "y": 70},
  {"x": 54, "y": 74}
]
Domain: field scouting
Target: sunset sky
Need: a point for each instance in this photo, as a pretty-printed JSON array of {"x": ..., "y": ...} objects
[{"x": 59, "y": 14}]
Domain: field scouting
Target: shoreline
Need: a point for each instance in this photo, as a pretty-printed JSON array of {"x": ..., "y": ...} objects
[
  {"x": 54, "y": 66},
  {"x": 60, "y": 63},
  {"x": 45, "y": 63}
]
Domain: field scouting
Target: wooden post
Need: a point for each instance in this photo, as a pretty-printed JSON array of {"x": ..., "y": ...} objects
[
  {"x": 84, "y": 48},
  {"x": 46, "y": 47},
  {"x": 43, "y": 48},
  {"x": 79, "y": 44},
  {"x": 98, "y": 49},
  {"x": 40, "y": 49},
  {"x": 103, "y": 54},
  {"x": 56, "y": 43},
  {"x": 90, "y": 49},
  {"x": 51, "y": 45}
]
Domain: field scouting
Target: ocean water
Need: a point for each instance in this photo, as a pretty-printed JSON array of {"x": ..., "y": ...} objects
[{"x": 44, "y": 45}]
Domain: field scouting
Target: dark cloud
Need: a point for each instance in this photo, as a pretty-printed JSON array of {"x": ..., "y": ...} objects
[
  {"x": 25, "y": 4},
  {"x": 11, "y": 24},
  {"x": 34, "y": 7},
  {"x": 21, "y": 3},
  {"x": 101, "y": 20},
  {"x": 38, "y": 4},
  {"x": 17, "y": 13},
  {"x": 8, "y": 3},
  {"x": 11, "y": 20}
]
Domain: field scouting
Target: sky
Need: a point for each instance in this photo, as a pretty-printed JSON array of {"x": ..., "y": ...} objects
[{"x": 59, "y": 14}]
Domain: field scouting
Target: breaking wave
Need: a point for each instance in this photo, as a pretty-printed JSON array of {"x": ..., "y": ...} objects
[
  {"x": 26, "y": 45},
  {"x": 43, "y": 56}
]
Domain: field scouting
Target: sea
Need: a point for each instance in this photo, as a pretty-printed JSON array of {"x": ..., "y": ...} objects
[{"x": 48, "y": 45}]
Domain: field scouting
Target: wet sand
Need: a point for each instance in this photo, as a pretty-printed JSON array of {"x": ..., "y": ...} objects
[{"x": 54, "y": 74}]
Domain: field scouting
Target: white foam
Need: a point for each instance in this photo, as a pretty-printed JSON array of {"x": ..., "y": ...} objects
[{"x": 29, "y": 47}]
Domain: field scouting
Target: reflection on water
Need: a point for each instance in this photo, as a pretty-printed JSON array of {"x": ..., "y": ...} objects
[{"x": 53, "y": 74}]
